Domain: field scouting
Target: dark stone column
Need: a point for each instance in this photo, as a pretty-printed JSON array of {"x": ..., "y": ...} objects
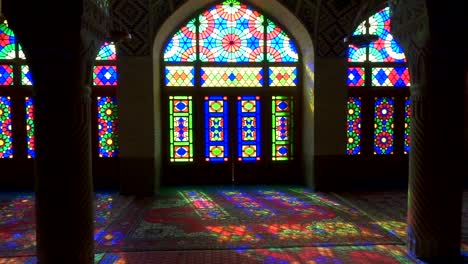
[
  {"x": 61, "y": 47},
  {"x": 428, "y": 32}
]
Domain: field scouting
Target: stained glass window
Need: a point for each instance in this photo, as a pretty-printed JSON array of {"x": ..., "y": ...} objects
[
  {"x": 383, "y": 125},
  {"x": 107, "y": 52},
  {"x": 26, "y": 76},
  {"x": 377, "y": 78},
  {"x": 282, "y": 108},
  {"x": 181, "y": 128},
  {"x": 407, "y": 125},
  {"x": 105, "y": 75},
  {"x": 6, "y": 75},
  {"x": 353, "y": 125},
  {"x": 7, "y": 42},
  {"x": 216, "y": 128},
  {"x": 211, "y": 53},
  {"x": 248, "y": 126},
  {"x": 107, "y": 114},
  {"x": 30, "y": 128},
  {"x": 6, "y": 136}
]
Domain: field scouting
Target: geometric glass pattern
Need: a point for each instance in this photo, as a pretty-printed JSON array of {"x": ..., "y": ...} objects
[
  {"x": 7, "y": 42},
  {"x": 6, "y": 75},
  {"x": 107, "y": 52},
  {"x": 396, "y": 76},
  {"x": 30, "y": 127},
  {"x": 231, "y": 77},
  {"x": 216, "y": 128},
  {"x": 383, "y": 125},
  {"x": 231, "y": 32},
  {"x": 6, "y": 137},
  {"x": 251, "y": 205},
  {"x": 282, "y": 108},
  {"x": 248, "y": 125},
  {"x": 283, "y": 76},
  {"x": 26, "y": 76},
  {"x": 179, "y": 76},
  {"x": 353, "y": 126},
  {"x": 356, "y": 76},
  {"x": 280, "y": 48},
  {"x": 105, "y": 75},
  {"x": 107, "y": 118},
  {"x": 180, "y": 123},
  {"x": 182, "y": 46},
  {"x": 407, "y": 136},
  {"x": 203, "y": 205}
]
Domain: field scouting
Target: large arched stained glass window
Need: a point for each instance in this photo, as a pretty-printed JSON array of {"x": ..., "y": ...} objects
[
  {"x": 378, "y": 88},
  {"x": 231, "y": 81}
]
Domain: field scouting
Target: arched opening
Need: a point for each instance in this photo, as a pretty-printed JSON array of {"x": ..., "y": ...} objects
[{"x": 305, "y": 110}]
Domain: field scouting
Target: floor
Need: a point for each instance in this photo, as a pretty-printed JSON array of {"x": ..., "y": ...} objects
[{"x": 261, "y": 224}]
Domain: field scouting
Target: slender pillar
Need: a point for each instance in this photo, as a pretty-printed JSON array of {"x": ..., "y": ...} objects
[
  {"x": 60, "y": 48},
  {"x": 428, "y": 33}
]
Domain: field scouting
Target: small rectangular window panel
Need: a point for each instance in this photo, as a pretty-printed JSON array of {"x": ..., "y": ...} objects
[
  {"x": 356, "y": 76},
  {"x": 105, "y": 75},
  {"x": 26, "y": 76},
  {"x": 107, "y": 118},
  {"x": 407, "y": 126},
  {"x": 6, "y": 137},
  {"x": 353, "y": 126},
  {"x": 6, "y": 74},
  {"x": 396, "y": 76},
  {"x": 29, "y": 104},
  {"x": 283, "y": 76},
  {"x": 282, "y": 109},
  {"x": 383, "y": 125},
  {"x": 231, "y": 77},
  {"x": 181, "y": 128},
  {"x": 216, "y": 128},
  {"x": 248, "y": 125},
  {"x": 179, "y": 76}
]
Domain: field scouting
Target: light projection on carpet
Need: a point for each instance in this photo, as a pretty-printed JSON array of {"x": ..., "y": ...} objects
[
  {"x": 30, "y": 128},
  {"x": 180, "y": 127},
  {"x": 26, "y": 76},
  {"x": 179, "y": 76},
  {"x": 6, "y": 74},
  {"x": 282, "y": 108},
  {"x": 182, "y": 46},
  {"x": 107, "y": 118},
  {"x": 216, "y": 129},
  {"x": 407, "y": 135},
  {"x": 279, "y": 47},
  {"x": 383, "y": 125},
  {"x": 107, "y": 52},
  {"x": 356, "y": 76},
  {"x": 248, "y": 203},
  {"x": 248, "y": 126},
  {"x": 231, "y": 77},
  {"x": 396, "y": 76},
  {"x": 105, "y": 75},
  {"x": 353, "y": 126},
  {"x": 203, "y": 205},
  {"x": 6, "y": 136}
]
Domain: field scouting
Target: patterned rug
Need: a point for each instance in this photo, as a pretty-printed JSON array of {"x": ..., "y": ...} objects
[{"x": 240, "y": 218}]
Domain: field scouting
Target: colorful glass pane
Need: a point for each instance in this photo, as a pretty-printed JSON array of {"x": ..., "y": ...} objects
[
  {"x": 7, "y": 42},
  {"x": 26, "y": 76},
  {"x": 179, "y": 76},
  {"x": 282, "y": 109},
  {"x": 231, "y": 32},
  {"x": 105, "y": 75},
  {"x": 107, "y": 52},
  {"x": 353, "y": 126},
  {"x": 182, "y": 46},
  {"x": 30, "y": 127},
  {"x": 248, "y": 125},
  {"x": 6, "y": 75},
  {"x": 356, "y": 76},
  {"x": 107, "y": 118},
  {"x": 396, "y": 76},
  {"x": 180, "y": 124},
  {"x": 216, "y": 129},
  {"x": 279, "y": 47},
  {"x": 383, "y": 125},
  {"x": 20, "y": 52},
  {"x": 406, "y": 146},
  {"x": 283, "y": 76},
  {"x": 356, "y": 54},
  {"x": 231, "y": 77},
  {"x": 6, "y": 136}
]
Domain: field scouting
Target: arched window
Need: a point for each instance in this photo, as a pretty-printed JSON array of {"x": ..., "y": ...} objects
[
  {"x": 17, "y": 108},
  {"x": 231, "y": 80},
  {"x": 378, "y": 89}
]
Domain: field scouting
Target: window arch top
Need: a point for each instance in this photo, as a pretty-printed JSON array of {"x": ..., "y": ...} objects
[
  {"x": 230, "y": 32},
  {"x": 107, "y": 52},
  {"x": 384, "y": 49}
]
